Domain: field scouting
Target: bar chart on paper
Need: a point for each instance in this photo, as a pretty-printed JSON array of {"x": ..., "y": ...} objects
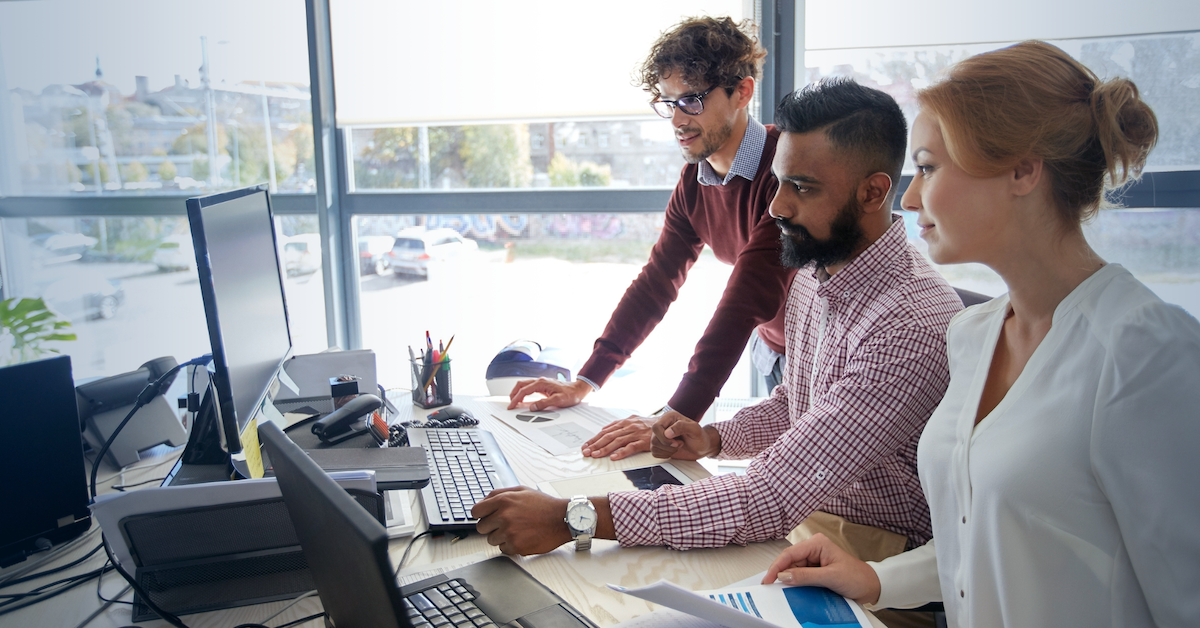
[
  {"x": 757, "y": 606},
  {"x": 813, "y": 607}
]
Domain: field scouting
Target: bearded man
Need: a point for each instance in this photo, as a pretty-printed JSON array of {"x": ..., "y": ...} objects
[{"x": 835, "y": 446}]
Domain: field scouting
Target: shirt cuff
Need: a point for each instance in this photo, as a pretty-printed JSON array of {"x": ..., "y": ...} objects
[
  {"x": 635, "y": 521},
  {"x": 589, "y": 382},
  {"x": 907, "y": 580},
  {"x": 733, "y": 445}
]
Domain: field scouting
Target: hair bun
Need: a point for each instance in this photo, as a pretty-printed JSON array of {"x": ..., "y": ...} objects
[{"x": 1126, "y": 127}]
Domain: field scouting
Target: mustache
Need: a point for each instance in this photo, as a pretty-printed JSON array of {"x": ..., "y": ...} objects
[
  {"x": 687, "y": 130},
  {"x": 795, "y": 231}
]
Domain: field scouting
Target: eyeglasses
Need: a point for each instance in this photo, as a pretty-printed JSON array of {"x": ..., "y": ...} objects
[{"x": 692, "y": 104}]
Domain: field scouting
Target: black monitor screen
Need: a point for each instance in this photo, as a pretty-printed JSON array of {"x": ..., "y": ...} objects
[
  {"x": 240, "y": 280},
  {"x": 41, "y": 455}
]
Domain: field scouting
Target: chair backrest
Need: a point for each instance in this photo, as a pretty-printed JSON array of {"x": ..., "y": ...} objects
[{"x": 971, "y": 298}]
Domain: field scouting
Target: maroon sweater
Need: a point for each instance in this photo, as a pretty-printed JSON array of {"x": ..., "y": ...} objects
[{"x": 733, "y": 220}]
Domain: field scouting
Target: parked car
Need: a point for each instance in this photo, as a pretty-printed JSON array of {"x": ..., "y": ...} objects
[
  {"x": 175, "y": 253},
  {"x": 415, "y": 249},
  {"x": 302, "y": 254},
  {"x": 85, "y": 295},
  {"x": 373, "y": 254}
]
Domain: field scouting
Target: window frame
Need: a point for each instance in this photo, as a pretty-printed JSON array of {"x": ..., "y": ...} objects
[{"x": 335, "y": 205}]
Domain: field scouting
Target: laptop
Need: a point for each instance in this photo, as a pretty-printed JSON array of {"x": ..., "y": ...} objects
[{"x": 346, "y": 550}]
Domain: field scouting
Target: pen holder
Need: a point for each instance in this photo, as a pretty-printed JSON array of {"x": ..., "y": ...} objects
[{"x": 431, "y": 383}]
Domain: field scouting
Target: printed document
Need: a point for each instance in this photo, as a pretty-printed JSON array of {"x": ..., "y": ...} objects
[
  {"x": 559, "y": 430},
  {"x": 758, "y": 605}
]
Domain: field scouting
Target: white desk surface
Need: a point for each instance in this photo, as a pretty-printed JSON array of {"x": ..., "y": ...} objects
[{"x": 580, "y": 578}]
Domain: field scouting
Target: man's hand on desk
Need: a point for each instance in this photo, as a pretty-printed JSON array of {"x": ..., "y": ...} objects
[
  {"x": 621, "y": 439},
  {"x": 676, "y": 436},
  {"x": 556, "y": 394},
  {"x": 670, "y": 435},
  {"x": 523, "y": 521}
]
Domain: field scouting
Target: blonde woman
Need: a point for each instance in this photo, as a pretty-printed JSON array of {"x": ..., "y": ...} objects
[{"x": 1061, "y": 468}]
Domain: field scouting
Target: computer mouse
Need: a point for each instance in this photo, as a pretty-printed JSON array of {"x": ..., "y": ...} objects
[{"x": 449, "y": 412}]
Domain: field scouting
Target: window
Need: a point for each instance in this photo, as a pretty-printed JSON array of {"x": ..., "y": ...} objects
[
  {"x": 100, "y": 114},
  {"x": 102, "y": 105},
  {"x": 1158, "y": 245},
  {"x": 511, "y": 156},
  {"x": 552, "y": 278},
  {"x": 128, "y": 286}
]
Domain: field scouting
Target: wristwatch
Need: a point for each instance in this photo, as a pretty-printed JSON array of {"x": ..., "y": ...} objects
[{"x": 581, "y": 521}]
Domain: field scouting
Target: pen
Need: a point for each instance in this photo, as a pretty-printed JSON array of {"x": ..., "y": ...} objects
[{"x": 439, "y": 362}]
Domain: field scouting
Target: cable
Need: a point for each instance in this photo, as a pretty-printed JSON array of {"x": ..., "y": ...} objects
[
  {"x": 122, "y": 487},
  {"x": 103, "y": 607},
  {"x": 39, "y": 561},
  {"x": 20, "y": 600},
  {"x": 115, "y": 600},
  {"x": 301, "y": 620},
  {"x": 171, "y": 457},
  {"x": 48, "y": 572},
  {"x": 404, "y": 556},
  {"x": 290, "y": 604},
  {"x": 152, "y": 390},
  {"x": 167, "y": 617}
]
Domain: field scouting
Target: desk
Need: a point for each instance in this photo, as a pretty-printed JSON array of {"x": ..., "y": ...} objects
[{"x": 579, "y": 578}]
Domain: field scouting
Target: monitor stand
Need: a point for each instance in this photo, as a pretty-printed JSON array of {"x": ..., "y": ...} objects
[{"x": 203, "y": 459}]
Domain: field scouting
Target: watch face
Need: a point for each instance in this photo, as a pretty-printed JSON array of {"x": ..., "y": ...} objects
[{"x": 581, "y": 517}]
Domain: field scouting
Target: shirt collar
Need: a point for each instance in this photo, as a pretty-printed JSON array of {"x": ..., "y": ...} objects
[
  {"x": 864, "y": 273},
  {"x": 745, "y": 162}
]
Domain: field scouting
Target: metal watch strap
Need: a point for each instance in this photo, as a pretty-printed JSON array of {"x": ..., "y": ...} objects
[{"x": 583, "y": 539}]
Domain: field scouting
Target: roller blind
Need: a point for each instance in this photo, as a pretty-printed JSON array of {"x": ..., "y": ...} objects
[
  {"x": 837, "y": 24},
  {"x": 476, "y": 61}
]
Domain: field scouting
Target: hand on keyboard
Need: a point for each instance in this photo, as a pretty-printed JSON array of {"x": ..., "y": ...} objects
[{"x": 522, "y": 521}]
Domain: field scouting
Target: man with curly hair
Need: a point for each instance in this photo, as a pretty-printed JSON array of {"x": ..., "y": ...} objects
[
  {"x": 834, "y": 448},
  {"x": 700, "y": 75}
]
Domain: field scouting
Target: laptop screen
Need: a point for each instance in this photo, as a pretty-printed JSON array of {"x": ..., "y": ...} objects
[
  {"x": 346, "y": 548},
  {"x": 42, "y": 455}
]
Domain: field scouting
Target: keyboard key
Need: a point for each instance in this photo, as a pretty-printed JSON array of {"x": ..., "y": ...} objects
[
  {"x": 422, "y": 603},
  {"x": 438, "y": 599}
]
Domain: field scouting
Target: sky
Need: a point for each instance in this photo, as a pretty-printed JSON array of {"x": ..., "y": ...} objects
[{"x": 49, "y": 42}]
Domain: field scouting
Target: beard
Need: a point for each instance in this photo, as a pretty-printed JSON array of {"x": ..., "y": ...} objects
[
  {"x": 800, "y": 248},
  {"x": 710, "y": 142}
]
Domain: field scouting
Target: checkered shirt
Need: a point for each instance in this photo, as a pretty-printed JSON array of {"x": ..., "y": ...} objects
[
  {"x": 745, "y": 162},
  {"x": 840, "y": 434}
]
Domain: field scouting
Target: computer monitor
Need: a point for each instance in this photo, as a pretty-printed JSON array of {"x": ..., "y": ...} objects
[{"x": 242, "y": 286}]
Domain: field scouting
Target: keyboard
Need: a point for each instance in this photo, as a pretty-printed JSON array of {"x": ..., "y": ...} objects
[
  {"x": 445, "y": 605},
  {"x": 464, "y": 466}
]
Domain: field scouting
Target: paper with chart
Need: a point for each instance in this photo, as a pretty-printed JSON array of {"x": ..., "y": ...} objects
[
  {"x": 757, "y": 606},
  {"x": 560, "y": 430}
]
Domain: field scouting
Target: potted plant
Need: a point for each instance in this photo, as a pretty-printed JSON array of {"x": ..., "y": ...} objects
[{"x": 25, "y": 326}]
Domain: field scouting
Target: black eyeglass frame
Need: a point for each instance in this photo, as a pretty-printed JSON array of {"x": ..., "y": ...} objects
[{"x": 678, "y": 103}]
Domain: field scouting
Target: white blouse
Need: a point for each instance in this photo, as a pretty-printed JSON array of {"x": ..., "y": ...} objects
[{"x": 1076, "y": 501}]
